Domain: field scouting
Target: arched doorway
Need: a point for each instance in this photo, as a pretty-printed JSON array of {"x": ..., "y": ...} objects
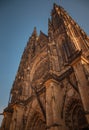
[
  {"x": 74, "y": 116},
  {"x": 36, "y": 122}
]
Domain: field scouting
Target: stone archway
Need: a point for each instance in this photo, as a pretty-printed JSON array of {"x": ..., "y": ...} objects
[
  {"x": 36, "y": 122},
  {"x": 74, "y": 115}
]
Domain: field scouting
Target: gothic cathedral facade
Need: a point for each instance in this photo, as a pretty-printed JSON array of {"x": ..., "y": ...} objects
[{"x": 51, "y": 88}]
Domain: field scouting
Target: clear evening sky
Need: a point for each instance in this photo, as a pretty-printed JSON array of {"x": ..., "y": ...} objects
[{"x": 17, "y": 20}]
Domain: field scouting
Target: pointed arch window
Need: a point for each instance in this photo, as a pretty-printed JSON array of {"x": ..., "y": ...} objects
[{"x": 68, "y": 50}]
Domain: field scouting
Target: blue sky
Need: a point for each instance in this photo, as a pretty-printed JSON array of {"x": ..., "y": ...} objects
[{"x": 17, "y": 20}]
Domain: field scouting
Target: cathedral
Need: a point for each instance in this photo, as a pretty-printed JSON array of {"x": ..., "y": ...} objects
[{"x": 51, "y": 87}]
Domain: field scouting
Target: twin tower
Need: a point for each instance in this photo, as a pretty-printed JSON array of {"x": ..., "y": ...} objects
[{"x": 51, "y": 88}]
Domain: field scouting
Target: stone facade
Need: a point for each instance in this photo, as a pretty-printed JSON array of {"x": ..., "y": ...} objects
[{"x": 51, "y": 88}]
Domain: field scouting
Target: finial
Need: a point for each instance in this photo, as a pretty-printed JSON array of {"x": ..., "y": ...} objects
[{"x": 34, "y": 32}]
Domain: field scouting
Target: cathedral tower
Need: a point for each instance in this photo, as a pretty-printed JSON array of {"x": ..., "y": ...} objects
[{"x": 51, "y": 88}]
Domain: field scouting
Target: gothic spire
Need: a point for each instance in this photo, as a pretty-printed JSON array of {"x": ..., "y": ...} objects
[
  {"x": 63, "y": 23},
  {"x": 34, "y": 34},
  {"x": 56, "y": 9},
  {"x": 34, "y": 31},
  {"x": 50, "y": 29}
]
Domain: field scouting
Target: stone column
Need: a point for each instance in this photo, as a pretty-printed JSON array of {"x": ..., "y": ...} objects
[
  {"x": 17, "y": 119},
  {"x": 6, "y": 121},
  {"x": 53, "y": 105},
  {"x": 83, "y": 85}
]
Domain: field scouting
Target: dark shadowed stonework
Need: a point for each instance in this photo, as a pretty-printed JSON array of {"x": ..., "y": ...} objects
[{"x": 51, "y": 88}]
